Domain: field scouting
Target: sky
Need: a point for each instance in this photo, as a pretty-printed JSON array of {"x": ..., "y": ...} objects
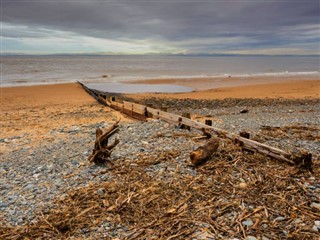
[{"x": 272, "y": 27}]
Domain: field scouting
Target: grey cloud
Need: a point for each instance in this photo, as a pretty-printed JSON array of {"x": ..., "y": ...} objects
[{"x": 175, "y": 21}]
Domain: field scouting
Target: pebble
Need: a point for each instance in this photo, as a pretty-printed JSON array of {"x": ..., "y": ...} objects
[
  {"x": 251, "y": 238},
  {"x": 248, "y": 222},
  {"x": 279, "y": 219},
  {"x": 243, "y": 185},
  {"x": 3, "y": 204},
  {"x": 46, "y": 172},
  {"x": 315, "y": 205}
]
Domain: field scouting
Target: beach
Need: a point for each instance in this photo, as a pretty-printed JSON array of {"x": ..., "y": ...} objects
[
  {"x": 50, "y": 190},
  {"x": 37, "y": 109}
]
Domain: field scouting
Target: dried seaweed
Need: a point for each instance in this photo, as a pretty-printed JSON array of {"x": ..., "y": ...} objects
[{"x": 173, "y": 203}]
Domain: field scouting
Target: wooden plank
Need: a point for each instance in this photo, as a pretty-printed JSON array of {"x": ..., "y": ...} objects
[
  {"x": 140, "y": 112},
  {"x": 135, "y": 107}
]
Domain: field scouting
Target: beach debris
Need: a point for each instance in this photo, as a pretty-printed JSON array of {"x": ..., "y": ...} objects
[
  {"x": 208, "y": 122},
  {"x": 244, "y": 111},
  {"x": 102, "y": 151},
  {"x": 203, "y": 153},
  {"x": 244, "y": 134},
  {"x": 184, "y": 126},
  {"x": 139, "y": 111}
]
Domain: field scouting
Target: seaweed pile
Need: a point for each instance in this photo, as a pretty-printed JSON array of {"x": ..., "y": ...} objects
[{"x": 234, "y": 195}]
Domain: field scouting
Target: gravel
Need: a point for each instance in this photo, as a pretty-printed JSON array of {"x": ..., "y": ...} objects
[{"x": 33, "y": 176}]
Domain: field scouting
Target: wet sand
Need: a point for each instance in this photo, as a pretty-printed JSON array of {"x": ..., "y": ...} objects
[
  {"x": 200, "y": 84},
  {"x": 292, "y": 89}
]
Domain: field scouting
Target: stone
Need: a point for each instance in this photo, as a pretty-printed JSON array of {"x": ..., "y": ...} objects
[
  {"x": 315, "y": 228},
  {"x": 144, "y": 142},
  {"x": 279, "y": 219},
  {"x": 248, "y": 222},
  {"x": 243, "y": 185},
  {"x": 315, "y": 205},
  {"x": 298, "y": 220},
  {"x": 28, "y": 187},
  {"x": 4, "y": 204},
  {"x": 251, "y": 238},
  {"x": 100, "y": 191},
  {"x": 317, "y": 223},
  {"x": 75, "y": 163}
]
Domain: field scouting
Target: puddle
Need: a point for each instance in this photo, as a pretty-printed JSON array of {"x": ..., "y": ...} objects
[{"x": 139, "y": 88}]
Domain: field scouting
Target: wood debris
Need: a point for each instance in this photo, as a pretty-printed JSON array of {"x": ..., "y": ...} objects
[{"x": 102, "y": 151}]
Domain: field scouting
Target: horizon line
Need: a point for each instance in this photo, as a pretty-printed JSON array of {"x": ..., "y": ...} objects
[{"x": 156, "y": 54}]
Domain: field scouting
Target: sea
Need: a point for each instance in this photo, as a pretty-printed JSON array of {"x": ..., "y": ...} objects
[{"x": 114, "y": 71}]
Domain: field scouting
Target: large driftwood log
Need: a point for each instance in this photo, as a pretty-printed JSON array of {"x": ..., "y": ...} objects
[
  {"x": 302, "y": 159},
  {"x": 102, "y": 150},
  {"x": 203, "y": 153}
]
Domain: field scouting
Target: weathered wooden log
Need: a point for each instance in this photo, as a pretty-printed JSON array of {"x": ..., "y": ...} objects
[
  {"x": 102, "y": 151},
  {"x": 244, "y": 134},
  {"x": 184, "y": 126},
  {"x": 203, "y": 153},
  {"x": 302, "y": 160},
  {"x": 208, "y": 122}
]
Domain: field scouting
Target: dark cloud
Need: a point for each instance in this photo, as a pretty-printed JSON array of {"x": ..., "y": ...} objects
[{"x": 175, "y": 21}]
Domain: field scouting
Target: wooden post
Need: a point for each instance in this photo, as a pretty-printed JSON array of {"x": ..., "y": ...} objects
[
  {"x": 184, "y": 126},
  {"x": 245, "y": 134},
  {"x": 208, "y": 122}
]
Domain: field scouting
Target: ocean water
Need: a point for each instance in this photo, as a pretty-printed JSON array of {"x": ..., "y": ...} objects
[{"x": 34, "y": 70}]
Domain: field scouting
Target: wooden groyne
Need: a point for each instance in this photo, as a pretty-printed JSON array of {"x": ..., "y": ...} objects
[{"x": 142, "y": 113}]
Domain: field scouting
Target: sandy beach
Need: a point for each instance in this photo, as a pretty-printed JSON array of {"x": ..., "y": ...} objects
[
  {"x": 50, "y": 190},
  {"x": 37, "y": 109},
  {"x": 291, "y": 89}
]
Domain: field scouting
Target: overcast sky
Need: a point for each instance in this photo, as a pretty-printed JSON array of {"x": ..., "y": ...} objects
[{"x": 161, "y": 26}]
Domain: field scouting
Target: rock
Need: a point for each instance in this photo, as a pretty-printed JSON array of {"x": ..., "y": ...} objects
[
  {"x": 4, "y": 204},
  {"x": 298, "y": 220},
  {"x": 243, "y": 185},
  {"x": 28, "y": 187},
  {"x": 100, "y": 191},
  {"x": 315, "y": 228},
  {"x": 167, "y": 125},
  {"x": 74, "y": 129},
  {"x": 248, "y": 222},
  {"x": 315, "y": 205},
  {"x": 244, "y": 111},
  {"x": 264, "y": 238},
  {"x": 279, "y": 219},
  {"x": 75, "y": 163},
  {"x": 144, "y": 142},
  {"x": 317, "y": 223},
  {"x": 251, "y": 238}
]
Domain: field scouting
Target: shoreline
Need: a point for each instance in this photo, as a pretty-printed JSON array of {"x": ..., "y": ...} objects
[
  {"x": 208, "y": 83},
  {"x": 227, "y": 87},
  {"x": 297, "y": 89}
]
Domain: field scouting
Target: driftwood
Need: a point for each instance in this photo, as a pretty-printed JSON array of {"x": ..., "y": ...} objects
[
  {"x": 102, "y": 150},
  {"x": 139, "y": 111},
  {"x": 203, "y": 153}
]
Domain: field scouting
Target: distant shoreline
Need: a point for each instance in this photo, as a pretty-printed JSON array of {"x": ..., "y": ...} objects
[{"x": 195, "y": 82}]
